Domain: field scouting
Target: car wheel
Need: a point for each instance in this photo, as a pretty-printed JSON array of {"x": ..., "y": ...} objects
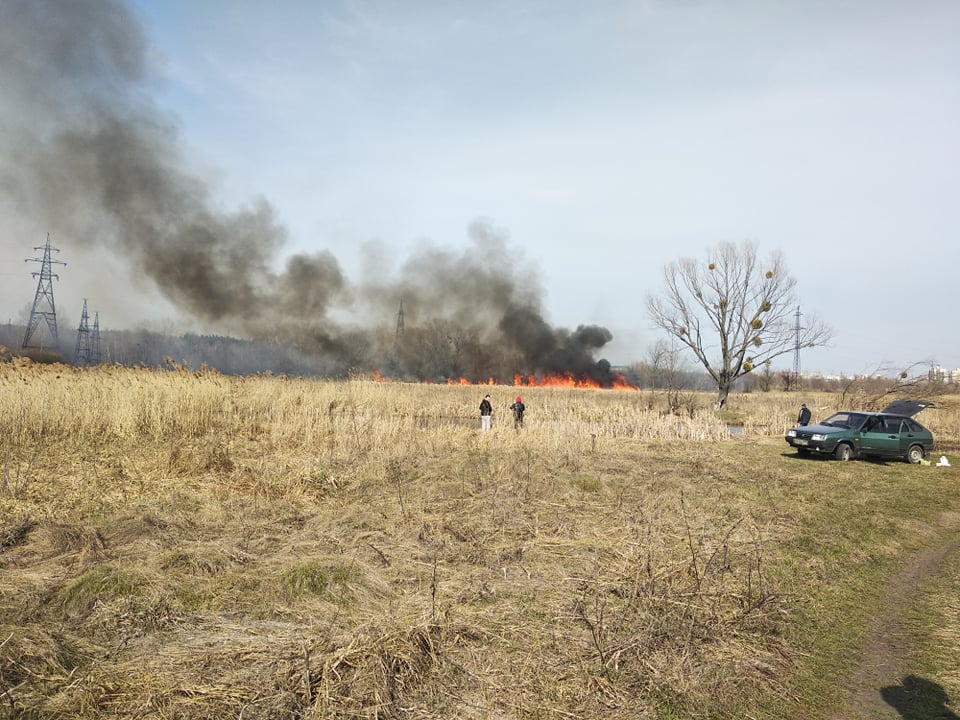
[
  {"x": 915, "y": 454},
  {"x": 843, "y": 453}
]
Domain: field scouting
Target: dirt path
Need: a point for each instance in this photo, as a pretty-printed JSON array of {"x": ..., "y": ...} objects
[{"x": 883, "y": 685}]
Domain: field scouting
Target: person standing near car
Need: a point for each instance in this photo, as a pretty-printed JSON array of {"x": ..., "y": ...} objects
[
  {"x": 803, "y": 418},
  {"x": 486, "y": 413}
]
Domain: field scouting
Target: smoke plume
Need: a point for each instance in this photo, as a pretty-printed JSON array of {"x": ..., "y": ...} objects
[{"x": 86, "y": 153}]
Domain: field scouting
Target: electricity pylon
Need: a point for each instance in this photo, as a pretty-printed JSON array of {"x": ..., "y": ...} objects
[
  {"x": 81, "y": 355},
  {"x": 43, "y": 306},
  {"x": 95, "y": 356}
]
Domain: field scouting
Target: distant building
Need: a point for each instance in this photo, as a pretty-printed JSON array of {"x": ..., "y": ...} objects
[{"x": 938, "y": 374}]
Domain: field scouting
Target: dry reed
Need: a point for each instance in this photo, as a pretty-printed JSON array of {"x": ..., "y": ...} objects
[{"x": 184, "y": 544}]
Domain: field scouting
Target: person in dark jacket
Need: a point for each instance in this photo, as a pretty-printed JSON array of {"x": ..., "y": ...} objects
[
  {"x": 518, "y": 409},
  {"x": 804, "y": 417},
  {"x": 486, "y": 413}
]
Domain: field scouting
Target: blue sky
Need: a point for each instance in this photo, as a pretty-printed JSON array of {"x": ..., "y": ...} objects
[{"x": 607, "y": 139}]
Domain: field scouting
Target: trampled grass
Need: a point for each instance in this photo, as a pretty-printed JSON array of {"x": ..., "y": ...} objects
[
  {"x": 183, "y": 544},
  {"x": 934, "y": 624}
]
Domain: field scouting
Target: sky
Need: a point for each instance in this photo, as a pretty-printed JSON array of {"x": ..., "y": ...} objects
[{"x": 602, "y": 140}]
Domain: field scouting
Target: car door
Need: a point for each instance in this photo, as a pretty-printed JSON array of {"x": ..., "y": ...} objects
[
  {"x": 912, "y": 433},
  {"x": 881, "y": 437}
]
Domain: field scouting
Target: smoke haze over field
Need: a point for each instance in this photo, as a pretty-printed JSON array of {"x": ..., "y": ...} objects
[
  {"x": 269, "y": 170},
  {"x": 86, "y": 154}
]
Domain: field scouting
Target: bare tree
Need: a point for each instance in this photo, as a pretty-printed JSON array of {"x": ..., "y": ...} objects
[
  {"x": 663, "y": 365},
  {"x": 734, "y": 313},
  {"x": 767, "y": 378},
  {"x": 914, "y": 382}
]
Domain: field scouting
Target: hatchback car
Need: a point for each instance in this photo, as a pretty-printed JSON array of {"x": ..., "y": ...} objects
[{"x": 891, "y": 433}]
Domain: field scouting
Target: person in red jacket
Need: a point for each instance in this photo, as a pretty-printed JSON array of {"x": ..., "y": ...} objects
[{"x": 518, "y": 409}]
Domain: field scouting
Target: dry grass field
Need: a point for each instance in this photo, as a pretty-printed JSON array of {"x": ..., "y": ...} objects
[{"x": 178, "y": 544}]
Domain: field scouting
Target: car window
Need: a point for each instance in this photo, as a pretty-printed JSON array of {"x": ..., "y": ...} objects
[
  {"x": 873, "y": 424},
  {"x": 913, "y": 426},
  {"x": 891, "y": 425},
  {"x": 856, "y": 420},
  {"x": 845, "y": 420},
  {"x": 882, "y": 424}
]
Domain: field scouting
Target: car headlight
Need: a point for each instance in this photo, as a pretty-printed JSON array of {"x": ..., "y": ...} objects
[
  {"x": 820, "y": 437},
  {"x": 791, "y": 433}
]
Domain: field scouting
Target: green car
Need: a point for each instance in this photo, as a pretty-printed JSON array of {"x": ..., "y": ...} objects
[{"x": 892, "y": 433}]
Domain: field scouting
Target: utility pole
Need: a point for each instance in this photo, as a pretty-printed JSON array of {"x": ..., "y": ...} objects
[
  {"x": 796, "y": 351},
  {"x": 400, "y": 321},
  {"x": 43, "y": 305},
  {"x": 81, "y": 355}
]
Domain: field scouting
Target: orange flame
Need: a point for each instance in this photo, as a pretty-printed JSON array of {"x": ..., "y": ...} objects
[
  {"x": 558, "y": 380},
  {"x": 620, "y": 383}
]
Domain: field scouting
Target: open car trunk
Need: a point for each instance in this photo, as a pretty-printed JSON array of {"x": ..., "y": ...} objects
[{"x": 906, "y": 407}]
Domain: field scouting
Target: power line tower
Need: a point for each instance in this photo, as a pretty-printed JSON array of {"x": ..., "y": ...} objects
[
  {"x": 81, "y": 355},
  {"x": 796, "y": 350},
  {"x": 400, "y": 321},
  {"x": 44, "y": 296},
  {"x": 95, "y": 356}
]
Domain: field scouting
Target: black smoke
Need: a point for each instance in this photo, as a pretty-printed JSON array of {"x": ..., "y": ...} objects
[{"x": 85, "y": 153}]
